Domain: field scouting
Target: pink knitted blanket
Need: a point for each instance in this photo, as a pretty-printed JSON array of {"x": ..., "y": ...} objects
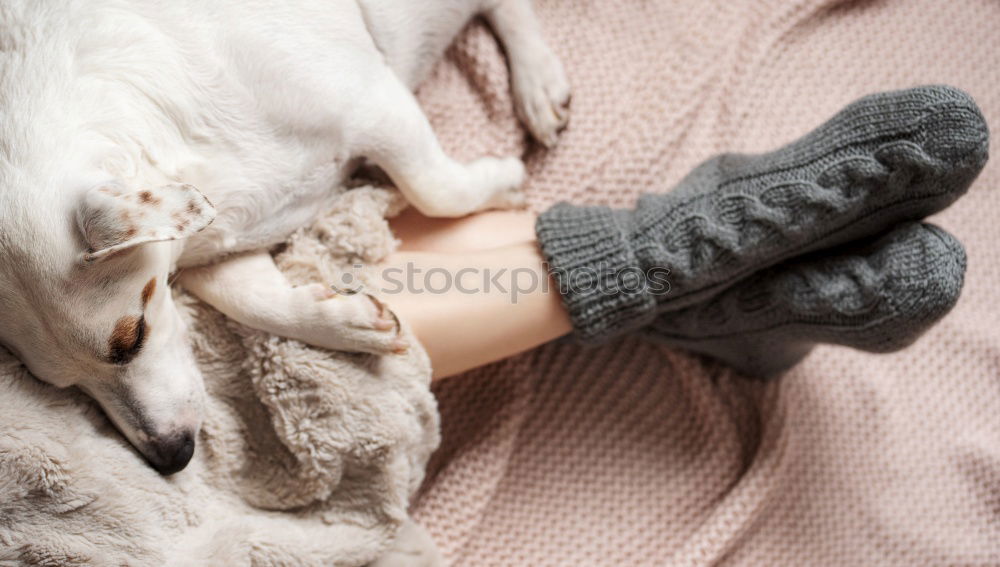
[{"x": 634, "y": 454}]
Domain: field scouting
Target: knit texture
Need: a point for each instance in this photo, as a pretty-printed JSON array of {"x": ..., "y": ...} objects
[
  {"x": 883, "y": 159},
  {"x": 879, "y": 298},
  {"x": 638, "y": 453}
]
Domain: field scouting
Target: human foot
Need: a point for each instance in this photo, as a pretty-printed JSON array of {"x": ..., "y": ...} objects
[{"x": 877, "y": 298}]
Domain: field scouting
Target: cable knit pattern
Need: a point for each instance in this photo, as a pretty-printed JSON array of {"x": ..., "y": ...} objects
[
  {"x": 879, "y": 299},
  {"x": 885, "y": 158},
  {"x": 637, "y": 453}
]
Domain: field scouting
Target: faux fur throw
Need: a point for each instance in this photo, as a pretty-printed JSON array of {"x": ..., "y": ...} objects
[{"x": 306, "y": 457}]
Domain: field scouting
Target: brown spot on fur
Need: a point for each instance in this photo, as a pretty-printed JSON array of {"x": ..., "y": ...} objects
[
  {"x": 148, "y": 291},
  {"x": 130, "y": 233},
  {"x": 180, "y": 228},
  {"x": 193, "y": 208},
  {"x": 148, "y": 198}
]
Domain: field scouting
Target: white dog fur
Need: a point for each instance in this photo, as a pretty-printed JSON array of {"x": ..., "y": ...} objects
[{"x": 139, "y": 136}]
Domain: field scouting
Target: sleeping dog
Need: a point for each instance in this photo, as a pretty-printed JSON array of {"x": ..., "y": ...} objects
[{"x": 142, "y": 136}]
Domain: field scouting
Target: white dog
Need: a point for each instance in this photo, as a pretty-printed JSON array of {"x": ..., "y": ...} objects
[{"x": 128, "y": 126}]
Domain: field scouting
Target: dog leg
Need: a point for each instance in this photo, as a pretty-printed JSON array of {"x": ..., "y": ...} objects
[
  {"x": 399, "y": 139},
  {"x": 538, "y": 81},
  {"x": 251, "y": 290}
]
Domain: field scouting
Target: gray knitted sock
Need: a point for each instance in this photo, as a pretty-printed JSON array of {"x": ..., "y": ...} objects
[
  {"x": 884, "y": 159},
  {"x": 878, "y": 297}
]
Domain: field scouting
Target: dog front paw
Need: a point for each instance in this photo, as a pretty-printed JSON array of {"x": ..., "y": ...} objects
[
  {"x": 349, "y": 322},
  {"x": 541, "y": 95}
]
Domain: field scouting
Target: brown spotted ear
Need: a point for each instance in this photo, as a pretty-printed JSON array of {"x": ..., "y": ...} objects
[{"x": 113, "y": 219}]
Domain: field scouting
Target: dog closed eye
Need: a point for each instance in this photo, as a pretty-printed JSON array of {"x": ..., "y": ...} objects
[{"x": 126, "y": 340}]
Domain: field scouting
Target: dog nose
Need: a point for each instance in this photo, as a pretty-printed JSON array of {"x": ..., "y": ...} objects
[{"x": 171, "y": 454}]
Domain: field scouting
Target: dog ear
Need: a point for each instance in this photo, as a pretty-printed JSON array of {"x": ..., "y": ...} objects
[{"x": 112, "y": 218}]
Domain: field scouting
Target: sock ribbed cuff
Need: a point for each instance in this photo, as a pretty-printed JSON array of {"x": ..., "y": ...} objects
[{"x": 589, "y": 255}]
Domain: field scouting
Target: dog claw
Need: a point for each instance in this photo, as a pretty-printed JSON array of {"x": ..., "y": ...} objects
[
  {"x": 395, "y": 322},
  {"x": 400, "y": 346},
  {"x": 387, "y": 318},
  {"x": 378, "y": 305}
]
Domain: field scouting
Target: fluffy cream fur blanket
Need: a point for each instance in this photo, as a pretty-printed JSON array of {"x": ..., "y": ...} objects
[{"x": 306, "y": 457}]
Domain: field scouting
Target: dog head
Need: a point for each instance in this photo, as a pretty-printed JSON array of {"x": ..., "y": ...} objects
[{"x": 85, "y": 302}]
